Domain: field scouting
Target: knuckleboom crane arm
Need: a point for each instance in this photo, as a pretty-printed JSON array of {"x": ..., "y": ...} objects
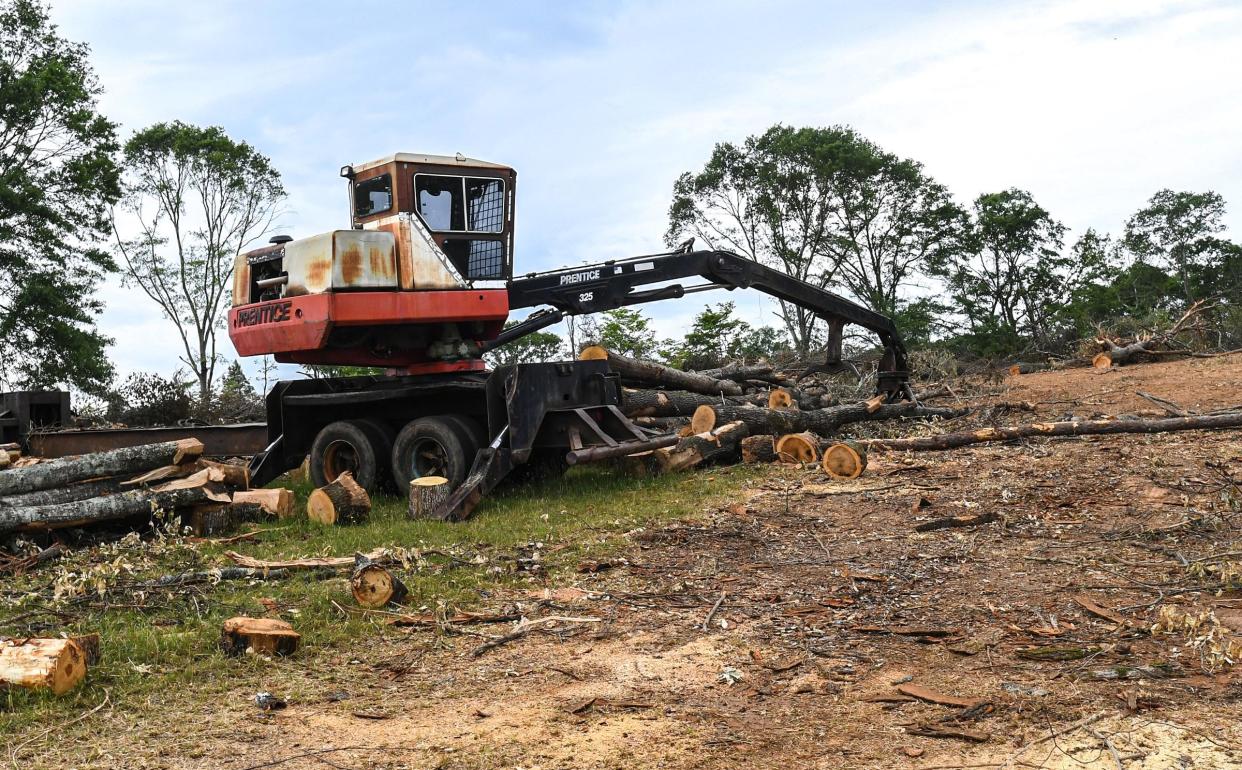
[{"x": 615, "y": 283}]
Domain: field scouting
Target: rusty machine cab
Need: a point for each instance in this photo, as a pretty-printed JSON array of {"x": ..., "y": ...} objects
[{"x": 415, "y": 285}]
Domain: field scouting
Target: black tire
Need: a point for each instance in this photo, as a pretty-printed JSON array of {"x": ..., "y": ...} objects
[
  {"x": 347, "y": 445},
  {"x": 433, "y": 446},
  {"x": 382, "y": 437}
]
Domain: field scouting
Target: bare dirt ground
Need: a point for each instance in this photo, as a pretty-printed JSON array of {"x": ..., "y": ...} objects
[{"x": 831, "y": 604}]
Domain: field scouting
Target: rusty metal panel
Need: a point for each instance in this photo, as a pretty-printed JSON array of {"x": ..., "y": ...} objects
[
  {"x": 218, "y": 440},
  {"x": 421, "y": 262},
  {"x": 364, "y": 259},
  {"x": 241, "y": 280},
  {"x": 340, "y": 259}
]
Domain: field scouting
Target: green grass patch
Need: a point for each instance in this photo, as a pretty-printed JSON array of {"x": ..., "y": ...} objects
[{"x": 159, "y": 644}]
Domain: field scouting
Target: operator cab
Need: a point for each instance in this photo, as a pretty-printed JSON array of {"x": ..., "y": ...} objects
[
  {"x": 416, "y": 283},
  {"x": 465, "y": 205}
]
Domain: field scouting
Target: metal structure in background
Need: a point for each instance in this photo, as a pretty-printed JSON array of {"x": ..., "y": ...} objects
[{"x": 25, "y": 411}]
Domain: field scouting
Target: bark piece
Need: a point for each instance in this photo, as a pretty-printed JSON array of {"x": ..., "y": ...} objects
[
  {"x": 263, "y": 636},
  {"x": 951, "y": 522},
  {"x": 277, "y": 502},
  {"x": 758, "y": 449},
  {"x": 373, "y": 586},
  {"x": 113, "y": 462},
  {"x": 931, "y": 696},
  {"x": 38, "y": 664},
  {"x": 342, "y": 501},
  {"x": 112, "y": 507},
  {"x": 165, "y": 472},
  {"x": 1072, "y": 428},
  {"x": 635, "y": 369},
  {"x": 310, "y": 563},
  {"x": 797, "y": 448},
  {"x": 427, "y": 494},
  {"x": 845, "y": 460}
]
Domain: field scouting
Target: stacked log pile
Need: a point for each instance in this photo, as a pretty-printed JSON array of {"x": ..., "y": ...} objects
[
  {"x": 131, "y": 483},
  {"x": 747, "y": 412}
]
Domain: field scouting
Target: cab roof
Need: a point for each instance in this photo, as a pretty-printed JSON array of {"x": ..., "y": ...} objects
[{"x": 441, "y": 160}]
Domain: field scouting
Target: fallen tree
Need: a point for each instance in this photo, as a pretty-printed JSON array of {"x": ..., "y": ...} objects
[
  {"x": 114, "y": 462},
  {"x": 1070, "y": 428},
  {"x": 99, "y": 509},
  {"x": 821, "y": 422}
]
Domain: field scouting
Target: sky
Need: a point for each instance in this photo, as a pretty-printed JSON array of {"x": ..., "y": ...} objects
[{"x": 1090, "y": 106}]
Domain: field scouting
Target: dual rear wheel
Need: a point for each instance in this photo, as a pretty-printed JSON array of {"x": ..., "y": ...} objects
[{"x": 443, "y": 445}]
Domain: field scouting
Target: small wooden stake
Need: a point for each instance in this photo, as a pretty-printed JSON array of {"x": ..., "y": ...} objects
[
  {"x": 797, "y": 448},
  {"x": 426, "y": 495},
  {"x": 845, "y": 460},
  {"x": 263, "y": 636}
]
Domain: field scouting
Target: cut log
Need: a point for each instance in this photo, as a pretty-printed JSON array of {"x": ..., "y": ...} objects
[
  {"x": 845, "y": 460},
  {"x": 821, "y": 422},
  {"x": 114, "y": 462},
  {"x": 427, "y": 494},
  {"x": 164, "y": 473},
  {"x": 83, "y": 490},
  {"x": 638, "y": 370},
  {"x": 208, "y": 479},
  {"x": 373, "y": 586},
  {"x": 42, "y": 664},
  {"x": 719, "y": 443},
  {"x": 703, "y": 420},
  {"x": 779, "y": 398},
  {"x": 122, "y": 505},
  {"x": 340, "y": 502},
  {"x": 278, "y": 502},
  {"x": 209, "y": 519},
  {"x": 262, "y": 636},
  {"x": 874, "y": 403},
  {"x": 1023, "y": 368},
  {"x": 1076, "y": 428},
  {"x": 4, "y": 461},
  {"x": 233, "y": 476},
  {"x": 797, "y": 448},
  {"x": 662, "y": 403},
  {"x": 758, "y": 449}
]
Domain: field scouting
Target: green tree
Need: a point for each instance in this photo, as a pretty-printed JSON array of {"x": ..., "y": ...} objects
[
  {"x": 822, "y": 204},
  {"x": 1179, "y": 231},
  {"x": 537, "y": 347},
  {"x": 713, "y": 338},
  {"x": 196, "y": 198},
  {"x": 236, "y": 399},
  {"x": 57, "y": 178},
  {"x": 1010, "y": 286},
  {"x": 629, "y": 333}
]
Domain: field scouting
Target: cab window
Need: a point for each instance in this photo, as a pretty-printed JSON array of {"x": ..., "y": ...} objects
[
  {"x": 373, "y": 196},
  {"x": 460, "y": 204}
]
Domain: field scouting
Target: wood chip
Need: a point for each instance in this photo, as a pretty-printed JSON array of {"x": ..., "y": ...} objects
[
  {"x": 945, "y": 731},
  {"x": 1103, "y": 612},
  {"x": 931, "y": 696}
]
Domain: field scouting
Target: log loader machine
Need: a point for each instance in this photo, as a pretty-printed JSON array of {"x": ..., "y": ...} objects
[{"x": 421, "y": 286}]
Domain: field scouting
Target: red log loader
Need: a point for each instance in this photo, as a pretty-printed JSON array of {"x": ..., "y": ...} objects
[{"x": 420, "y": 286}]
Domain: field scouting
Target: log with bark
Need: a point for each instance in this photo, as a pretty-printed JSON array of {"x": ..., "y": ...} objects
[
  {"x": 662, "y": 403},
  {"x": 82, "y": 490},
  {"x": 1072, "y": 428},
  {"x": 42, "y": 664},
  {"x": 638, "y": 370},
  {"x": 113, "y": 462},
  {"x": 1119, "y": 355},
  {"x": 718, "y": 444},
  {"x": 758, "y": 449},
  {"x": 426, "y": 495},
  {"x": 845, "y": 460},
  {"x": 277, "y": 502},
  {"x": 373, "y": 586},
  {"x": 822, "y": 422},
  {"x": 342, "y": 501},
  {"x": 262, "y": 636},
  {"x": 738, "y": 372},
  {"x": 1024, "y": 368},
  {"x": 100, "y": 509}
]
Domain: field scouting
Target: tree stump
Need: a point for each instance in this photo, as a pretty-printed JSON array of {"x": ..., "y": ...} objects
[
  {"x": 780, "y": 398},
  {"x": 797, "y": 448},
  {"x": 340, "y": 502},
  {"x": 277, "y": 502},
  {"x": 845, "y": 460},
  {"x": 42, "y": 664},
  {"x": 1102, "y": 361},
  {"x": 263, "y": 636},
  {"x": 373, "y": 586},
  {"x": 426, "y": 495},
  {"x": 758, "y": 449}
]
